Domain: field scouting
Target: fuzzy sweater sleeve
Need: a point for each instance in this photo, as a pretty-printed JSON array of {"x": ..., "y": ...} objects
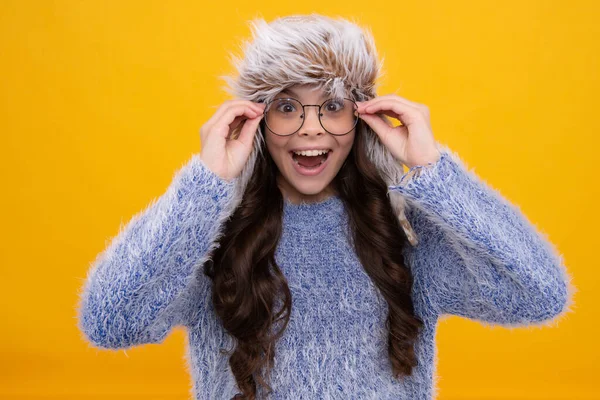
[
  {"x": 478, "y": 256},
  {"x": 140, "y": 286}
]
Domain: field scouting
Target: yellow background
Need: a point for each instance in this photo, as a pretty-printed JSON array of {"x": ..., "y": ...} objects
[{"x": 102, "y": 101}]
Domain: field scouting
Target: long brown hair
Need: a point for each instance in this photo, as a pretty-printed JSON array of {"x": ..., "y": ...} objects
[{"x": 247, "y": 282}]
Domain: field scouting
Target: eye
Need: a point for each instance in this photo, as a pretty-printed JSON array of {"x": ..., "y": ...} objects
[
  {"x": 334, "y": 105},
  {"x": 285, "y": 107}
]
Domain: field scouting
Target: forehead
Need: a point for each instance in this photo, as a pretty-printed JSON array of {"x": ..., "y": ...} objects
[{"x": 304, "y": 92}]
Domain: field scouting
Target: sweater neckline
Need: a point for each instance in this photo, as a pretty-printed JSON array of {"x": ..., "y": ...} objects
[{"x": 324, "y": 215}]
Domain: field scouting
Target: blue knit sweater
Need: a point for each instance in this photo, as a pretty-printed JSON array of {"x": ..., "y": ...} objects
[{"x": 477, "y": 257}]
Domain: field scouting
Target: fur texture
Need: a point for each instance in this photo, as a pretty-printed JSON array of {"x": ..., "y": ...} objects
[
  {"x": 478, "y": 257},
  {"x": 338, "y": 56}
]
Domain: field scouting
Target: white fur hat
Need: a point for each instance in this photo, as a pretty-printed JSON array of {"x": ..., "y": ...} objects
[{"x": 334, "y": 54}]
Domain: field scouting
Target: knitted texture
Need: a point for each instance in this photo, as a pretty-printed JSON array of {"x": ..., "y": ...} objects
[{"x": 477, "y": 257}]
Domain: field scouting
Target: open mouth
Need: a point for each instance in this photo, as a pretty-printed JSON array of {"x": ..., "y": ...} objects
[
  {"x": 309, "y": 161},
  {"x": 308, "y": 164}
]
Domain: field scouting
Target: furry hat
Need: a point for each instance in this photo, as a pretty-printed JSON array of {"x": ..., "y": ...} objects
[{"x": 334, "y": 54}]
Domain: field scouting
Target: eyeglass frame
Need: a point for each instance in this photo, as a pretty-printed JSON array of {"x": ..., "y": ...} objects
[{"x": 304, "y": 113}]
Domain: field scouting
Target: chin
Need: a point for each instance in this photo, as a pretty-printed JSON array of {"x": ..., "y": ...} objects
[
  {"x": 308, "y": 185},
  {"x": 309, "y": 188}
]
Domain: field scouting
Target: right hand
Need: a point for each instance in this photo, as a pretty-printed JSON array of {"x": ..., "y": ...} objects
[{"x": 225, "y": 149}]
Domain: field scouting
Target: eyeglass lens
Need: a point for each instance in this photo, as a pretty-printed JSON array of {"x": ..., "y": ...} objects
[{"x": 285, "y": 116}]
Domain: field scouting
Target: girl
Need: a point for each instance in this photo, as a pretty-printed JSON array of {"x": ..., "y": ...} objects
[{"x": 301, "y": 258}]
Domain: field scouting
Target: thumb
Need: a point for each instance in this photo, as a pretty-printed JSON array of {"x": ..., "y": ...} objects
[
  {"x": 384, "y": 128},
  {"x": 376, "y": 122},
  {"x": 246, "y": 136}
]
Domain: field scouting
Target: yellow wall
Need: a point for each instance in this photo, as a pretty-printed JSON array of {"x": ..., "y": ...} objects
[{"x": 101, "y": 101}]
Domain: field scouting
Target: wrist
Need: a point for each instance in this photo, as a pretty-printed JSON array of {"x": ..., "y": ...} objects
[{"x": 426, "y": 160}]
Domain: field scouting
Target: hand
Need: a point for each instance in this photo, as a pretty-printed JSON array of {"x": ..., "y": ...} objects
[
  {"x": 412, "y": 143},
  {"x": 227, "y": 137}
]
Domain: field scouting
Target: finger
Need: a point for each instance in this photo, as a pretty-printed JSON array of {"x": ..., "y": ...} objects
[
  {"x": 237, "y": 122},
  {"x": 382, "y": 128},
  {"x": 234, "y": 128},
  {"x": 229, "y": 117},
  {"x": 396, "y": 97},
  {"x": 406, "y": 114},
  {"x": 259, "y": 107},
  {"x": 377, "y": 123},
  {"x": 390, "y": 98},
  {"x": 387, "y": 99},
  {"x": 249, "y": 130},
  {"x": 383, "y": 116},
  {"x": 388, "y": 113},
  {"x": 229, "y": 104}
]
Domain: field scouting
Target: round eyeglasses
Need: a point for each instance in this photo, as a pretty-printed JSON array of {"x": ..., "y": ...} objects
[{"x": 285, "y": 116}]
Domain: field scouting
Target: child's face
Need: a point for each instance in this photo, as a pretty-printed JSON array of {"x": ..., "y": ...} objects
[{"x": 293, "y": 180}]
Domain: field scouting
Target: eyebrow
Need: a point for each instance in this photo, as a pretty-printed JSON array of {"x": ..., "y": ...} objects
[{"x": 290, "y": 91}]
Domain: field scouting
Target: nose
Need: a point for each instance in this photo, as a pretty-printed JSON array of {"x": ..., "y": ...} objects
[{"x": 311, "y": 124}]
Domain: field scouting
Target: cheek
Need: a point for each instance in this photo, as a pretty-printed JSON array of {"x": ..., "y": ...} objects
[
  {"x": 276, "y": 148},
  {"x": 347, "y": 144}
]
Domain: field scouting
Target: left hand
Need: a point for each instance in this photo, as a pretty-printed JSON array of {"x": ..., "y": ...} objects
[{"x": 412, "y": 143}]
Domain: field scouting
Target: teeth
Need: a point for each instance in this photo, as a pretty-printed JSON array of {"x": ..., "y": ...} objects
[{"x": 311, "y": 152}]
